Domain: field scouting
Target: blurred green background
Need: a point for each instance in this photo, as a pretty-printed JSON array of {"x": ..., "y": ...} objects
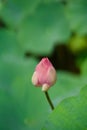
[{"x": 30, "y": 30}]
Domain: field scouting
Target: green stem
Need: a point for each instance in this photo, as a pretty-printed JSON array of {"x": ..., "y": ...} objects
[{"x": 49, "y": 100}]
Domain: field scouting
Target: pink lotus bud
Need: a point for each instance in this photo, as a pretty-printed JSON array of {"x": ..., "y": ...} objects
[{"x": 44, "y": 75}]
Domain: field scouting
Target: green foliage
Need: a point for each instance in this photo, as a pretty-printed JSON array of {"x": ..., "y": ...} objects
[
  {"x": 44, "y": 23},
  {"x": 24, "y": 105},
  {"x": 44, "y": 28},
  {"x": 76, "y": 13},
  {"x": 19, "y": 99},
  {"x": 8, "y": 42},
  {"x": 67, "y": 85},
  {"x": 84, "y": 67},
  {"x": 69, "y": 114},
  {"x": 77, "y": 44},
  {"x": 13, "y": 12},
  {"x": 30, "y": 29}
]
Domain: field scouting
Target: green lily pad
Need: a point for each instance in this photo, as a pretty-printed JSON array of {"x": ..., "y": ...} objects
[
  {"x": 44, "y": 28},
  {"x": 21, "y": 104},
  {"x": 69, "y": 114},
  {"x": 13, "y": 12},
  {"x": 8, "y": 43},
  {"x": 67, "y": 85},
  {"x": 76, "y": 12}
]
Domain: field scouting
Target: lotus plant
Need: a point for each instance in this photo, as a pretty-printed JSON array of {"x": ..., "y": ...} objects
[{"x": 44, "y": 76}]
